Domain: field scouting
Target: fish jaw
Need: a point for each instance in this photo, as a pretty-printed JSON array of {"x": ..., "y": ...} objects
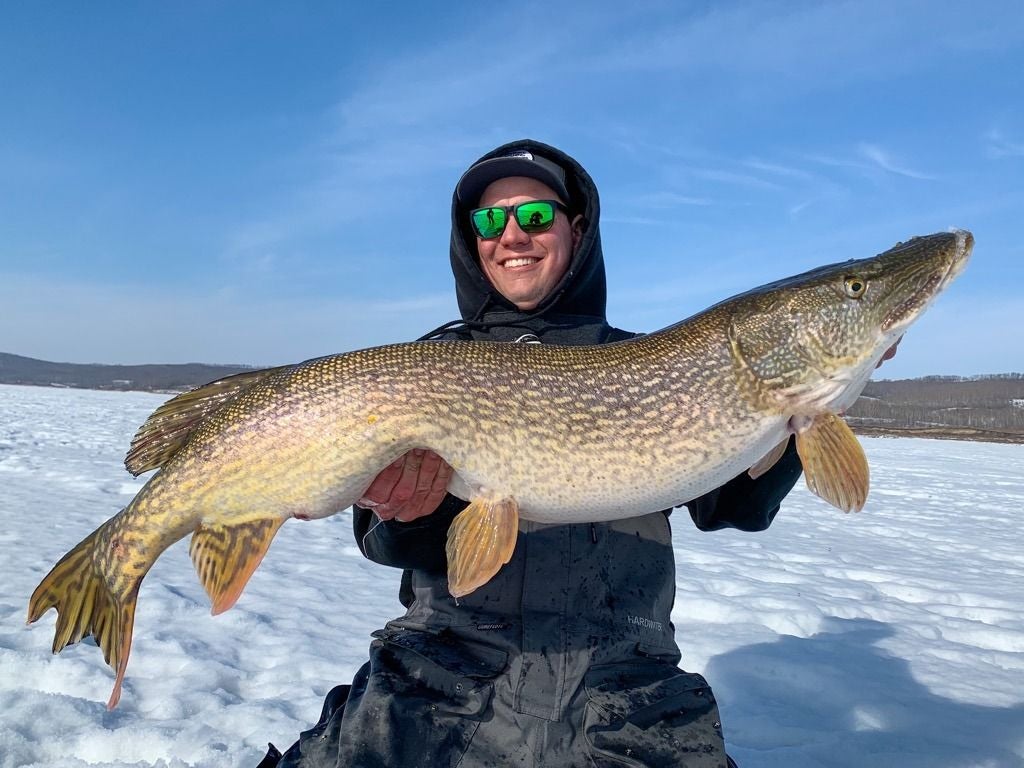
[{"x": 905, "y": 313}]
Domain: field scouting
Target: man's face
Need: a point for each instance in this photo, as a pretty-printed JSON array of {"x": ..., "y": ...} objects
[{"x": 525, "y": 268}]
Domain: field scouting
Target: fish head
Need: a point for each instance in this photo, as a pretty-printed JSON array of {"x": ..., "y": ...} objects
[{"x": 811, "y": 341}]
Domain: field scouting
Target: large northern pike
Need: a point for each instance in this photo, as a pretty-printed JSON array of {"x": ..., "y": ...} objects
[{"x": 547, "y": 433}]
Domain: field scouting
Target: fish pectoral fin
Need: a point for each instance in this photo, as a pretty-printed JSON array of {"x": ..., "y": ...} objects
[
  {"x": 835, "y": 467},
  {"x": 169, "y": 427},
  {"x": 225, "y": 556},
  {"x": 481, "y": 540},
  {"x": 768, "y": 460},
  {"x": 86, "y": 606}
]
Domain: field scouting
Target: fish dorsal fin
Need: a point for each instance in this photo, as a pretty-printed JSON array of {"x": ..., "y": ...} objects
[
  {"x": 225, "y": 556},
  {"x": 769, "y": 460},
  {"x": 481, "y": 539},
  {"x": 835, "y": 467},
  {"x": 169, "y": 427}
]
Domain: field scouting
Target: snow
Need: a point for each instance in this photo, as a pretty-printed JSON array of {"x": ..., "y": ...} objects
[{"x": 890, "y": 637}]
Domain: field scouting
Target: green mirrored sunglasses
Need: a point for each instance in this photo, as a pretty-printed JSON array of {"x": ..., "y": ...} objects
[{"x": 531, "y": 216}]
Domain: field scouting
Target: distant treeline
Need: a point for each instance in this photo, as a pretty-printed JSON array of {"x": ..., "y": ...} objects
[
  {"x": 983, "y": 407},
  {"x": 15, "y": 369},
  {"x": 989, "y": 377}
]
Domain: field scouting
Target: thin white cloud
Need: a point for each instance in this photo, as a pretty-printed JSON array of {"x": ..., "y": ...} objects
[
  {"x": 735, "y": 178},
  {"x": 810, "y": 45},
  {"x": 433, "y": 302},
  {"x": 769, "y": 175},
  {"x": 796, "y": 210},
  {"x": 643, "y": 221},
  {"x": 810, "y": 185},
  {"x": 668, "y": 200},
  {"x": 869, "y": 160},
  {"x": 882, "y": 159},
  {"x": 997, "y": 145},
  {"x": 835, "y": 161},
  {"x": 779, "y": 170}
]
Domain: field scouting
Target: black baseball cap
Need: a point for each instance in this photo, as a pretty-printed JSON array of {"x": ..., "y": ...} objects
[{"x": 519, "y": 162}]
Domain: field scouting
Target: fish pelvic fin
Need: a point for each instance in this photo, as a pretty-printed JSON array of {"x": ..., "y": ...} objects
[
  {"x": 86, "y": 605},
  {"x": 169, "y": 427},
  {"x": 481, "y": 540},
  {"x": 769, "y": 460},
  {"x": 225, "y": 556},
  {"x": 835, "y": 467}
]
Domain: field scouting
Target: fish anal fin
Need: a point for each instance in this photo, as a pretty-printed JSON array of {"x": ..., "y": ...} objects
[
  {"x": 768, "y": 460},
  {"x": 835, "y": 467},
  {"x": 169, "y": 427},
  {"x": 86, "y": 606},
  {"x": 225, "y": 556},
  {"x": 481, "y": 540}
]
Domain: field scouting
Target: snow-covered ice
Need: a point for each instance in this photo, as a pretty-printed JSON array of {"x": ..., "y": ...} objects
[{"x": 894, "y": 637}]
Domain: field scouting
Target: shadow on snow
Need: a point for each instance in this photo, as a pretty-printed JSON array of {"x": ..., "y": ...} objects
[{"x": 837, "y": 699}]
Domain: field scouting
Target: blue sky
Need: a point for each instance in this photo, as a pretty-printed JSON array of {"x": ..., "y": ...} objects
[{"x": 219, "y": 181}]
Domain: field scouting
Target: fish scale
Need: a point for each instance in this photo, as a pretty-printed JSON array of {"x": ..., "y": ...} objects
[{"x": 544, "y": 433}]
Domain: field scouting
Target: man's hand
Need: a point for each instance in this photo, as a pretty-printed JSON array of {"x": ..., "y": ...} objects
[{"x": 410, "y": 487}]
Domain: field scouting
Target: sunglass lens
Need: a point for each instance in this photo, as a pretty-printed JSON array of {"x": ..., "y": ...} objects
[
  {"x": 489, "y": 222},
  {"x": 536, "y": 216}
]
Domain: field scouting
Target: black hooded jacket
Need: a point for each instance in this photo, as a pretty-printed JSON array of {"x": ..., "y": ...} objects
[{"x": 573, "y": 314}]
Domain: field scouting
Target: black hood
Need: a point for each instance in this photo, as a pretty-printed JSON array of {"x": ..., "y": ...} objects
[{"x": 582, "y": 292}]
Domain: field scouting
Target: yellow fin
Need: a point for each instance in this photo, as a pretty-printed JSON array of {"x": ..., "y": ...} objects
[
  {"x": 86, "y": 606},
  {"x": 835, "y": 467},
  {"x": 481, "y": 539},
  {"x": 225, "y": 556},
  {"x": 168, "y": 428},
  {"x": 768, "y": 460}
]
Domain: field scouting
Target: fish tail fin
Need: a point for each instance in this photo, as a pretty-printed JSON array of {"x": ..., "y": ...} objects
[{"x": 86, "y": 605}]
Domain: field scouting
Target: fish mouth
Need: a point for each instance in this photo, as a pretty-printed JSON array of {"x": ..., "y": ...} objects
[{"x": 904, "y": 313}]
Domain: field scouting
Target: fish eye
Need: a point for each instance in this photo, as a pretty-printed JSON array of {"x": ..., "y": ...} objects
[{"x": 855, "y": 287}]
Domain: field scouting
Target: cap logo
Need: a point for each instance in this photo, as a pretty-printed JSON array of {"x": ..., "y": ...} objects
[{"x": 521, "y": 153}]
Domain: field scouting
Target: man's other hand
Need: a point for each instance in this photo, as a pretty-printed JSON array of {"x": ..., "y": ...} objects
[
  {"x": 410, "y": 487},
  {"x": 890, "y": 353}
]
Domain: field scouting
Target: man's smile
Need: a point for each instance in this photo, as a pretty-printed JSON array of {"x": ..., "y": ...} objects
[{"x": 520, "y": 261}]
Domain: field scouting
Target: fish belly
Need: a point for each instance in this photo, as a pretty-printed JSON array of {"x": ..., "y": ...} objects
[{"x": 560, "y": 488}]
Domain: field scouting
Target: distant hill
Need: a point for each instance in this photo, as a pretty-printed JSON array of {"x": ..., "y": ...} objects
[
  {"x": 987, "y": 408},
  {"x": 15, "y": 369},
  {"x": 970, "y": 408}
]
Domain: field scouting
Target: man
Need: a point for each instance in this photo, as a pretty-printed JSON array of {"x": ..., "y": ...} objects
[{"x": 567, "y": 657}]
